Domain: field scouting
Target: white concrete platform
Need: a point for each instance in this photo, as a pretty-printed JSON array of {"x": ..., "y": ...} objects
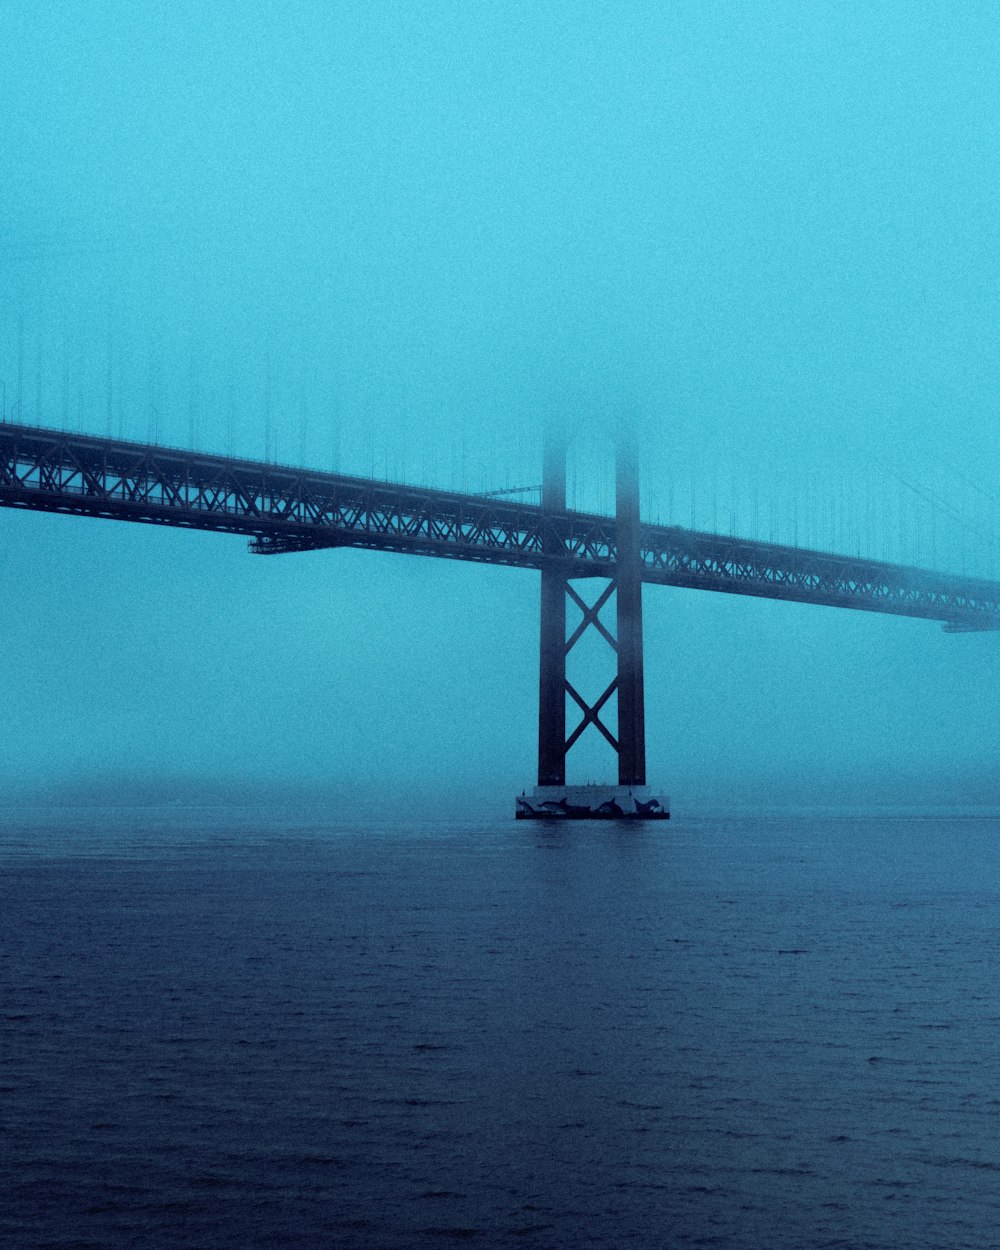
[{"x": 594, "y": 802}]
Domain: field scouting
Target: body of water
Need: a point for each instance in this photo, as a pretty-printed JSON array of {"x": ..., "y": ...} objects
[{"x": 249, "y": 1029}]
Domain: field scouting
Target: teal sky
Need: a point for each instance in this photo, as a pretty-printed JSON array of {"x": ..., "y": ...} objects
[{"x": 395, "y": 238}]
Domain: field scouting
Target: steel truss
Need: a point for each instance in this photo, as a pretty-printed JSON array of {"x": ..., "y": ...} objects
[{"x": 283, "y": 509}]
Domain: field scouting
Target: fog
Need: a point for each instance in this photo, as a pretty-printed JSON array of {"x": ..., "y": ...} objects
[{"x": 395, "y": 240}]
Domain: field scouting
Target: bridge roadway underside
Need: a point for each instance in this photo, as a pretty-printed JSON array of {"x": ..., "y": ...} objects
[{"x": 283, "y": 509}]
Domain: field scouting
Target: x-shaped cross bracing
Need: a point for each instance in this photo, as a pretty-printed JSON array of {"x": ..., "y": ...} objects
[{"x": 591, "y": 620}]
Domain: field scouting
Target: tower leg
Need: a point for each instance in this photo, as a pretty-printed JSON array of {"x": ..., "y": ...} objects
[
  {"x": 552, "y": 658},
  {"x": 552, "y": 682},
  {"x": 628, "y": 576}
]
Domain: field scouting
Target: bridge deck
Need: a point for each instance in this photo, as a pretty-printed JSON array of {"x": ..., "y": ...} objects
[{"x": 284, "y": 509}]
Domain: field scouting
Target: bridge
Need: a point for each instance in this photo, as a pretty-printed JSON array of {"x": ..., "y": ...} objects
[{"x": 283, "y": 509}]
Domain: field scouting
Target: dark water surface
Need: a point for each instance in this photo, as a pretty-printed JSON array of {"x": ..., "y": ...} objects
[{"x": 233, "y": 1029}]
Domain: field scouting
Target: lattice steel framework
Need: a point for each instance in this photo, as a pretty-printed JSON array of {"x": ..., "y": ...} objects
[{"x": 283, "y": 509}]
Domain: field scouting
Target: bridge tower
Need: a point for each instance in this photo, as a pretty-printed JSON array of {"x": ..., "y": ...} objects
[{"x": 630, "y": 798}]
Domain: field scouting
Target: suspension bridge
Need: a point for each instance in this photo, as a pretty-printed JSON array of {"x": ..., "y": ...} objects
[{"x": 283, "y": 509}]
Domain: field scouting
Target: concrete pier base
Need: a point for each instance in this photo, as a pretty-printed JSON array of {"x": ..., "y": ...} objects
[{"x": 593, "y": 803}]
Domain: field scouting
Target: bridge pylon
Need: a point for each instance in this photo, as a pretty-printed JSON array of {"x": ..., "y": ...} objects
[{"x": 630, "y": 798}]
